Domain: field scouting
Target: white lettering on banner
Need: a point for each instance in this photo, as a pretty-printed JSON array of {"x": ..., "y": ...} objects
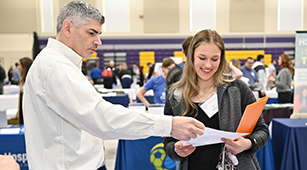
[
  {"x": 302, "y": 42},
  {"x": 20, "y": 157}
]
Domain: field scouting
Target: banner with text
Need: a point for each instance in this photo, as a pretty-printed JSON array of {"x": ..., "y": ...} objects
[{"x": 300, "y": 76}]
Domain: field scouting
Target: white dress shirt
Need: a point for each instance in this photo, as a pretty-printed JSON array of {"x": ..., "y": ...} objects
[{"x": 65, "y": 118}]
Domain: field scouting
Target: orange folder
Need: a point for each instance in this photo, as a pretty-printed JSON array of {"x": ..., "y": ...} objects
[{"x": 251, "y": 115}]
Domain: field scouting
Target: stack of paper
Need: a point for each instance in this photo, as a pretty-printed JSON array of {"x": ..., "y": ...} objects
[
  {"x": 212, "y": 136},
  {"x": 246, "y": 126}
]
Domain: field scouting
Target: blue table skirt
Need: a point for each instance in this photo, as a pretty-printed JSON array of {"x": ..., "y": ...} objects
[{"x": 265, "y": 157}]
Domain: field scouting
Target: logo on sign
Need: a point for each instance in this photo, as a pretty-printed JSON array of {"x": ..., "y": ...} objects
[{"x": 159, "y": 159}]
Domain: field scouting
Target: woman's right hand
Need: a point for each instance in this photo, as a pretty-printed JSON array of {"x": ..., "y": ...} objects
[{"x": 184, "y": 151}]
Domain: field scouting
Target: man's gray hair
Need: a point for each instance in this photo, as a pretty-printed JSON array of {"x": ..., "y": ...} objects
[{"x": 79, "y": 13}]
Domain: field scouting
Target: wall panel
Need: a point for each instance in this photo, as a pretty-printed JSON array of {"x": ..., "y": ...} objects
[
  {"x": 161, "y": 16},
  {"x": 246, "y": 15},
  {"x": 18, "y": 16}
]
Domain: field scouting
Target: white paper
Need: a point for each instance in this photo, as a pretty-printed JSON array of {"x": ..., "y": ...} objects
[
  {"x": 10, "y": 131},
  {"x": 212, "y": 136}
]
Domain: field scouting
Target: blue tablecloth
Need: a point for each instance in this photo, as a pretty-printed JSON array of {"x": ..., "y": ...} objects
[
  {"x": 143, "y": 154},
  {"x": 122, "y": 99},
  {"x": 289, "y": 140},
  {"x": 265, "y": 156},
  {"x": 271, "y": 100},
  {"x": 14, "y": 145}
]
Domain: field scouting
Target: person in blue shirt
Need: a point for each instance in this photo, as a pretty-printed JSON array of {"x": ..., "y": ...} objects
[
  {"x": 157, "y": 84},
  {"x": 95, "y": 74},
  {"x": 250, "y": 73}
]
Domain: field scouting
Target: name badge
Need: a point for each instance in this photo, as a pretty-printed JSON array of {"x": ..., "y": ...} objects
[
  {"x": 210, "y": 107},
  {"x": 253, "y": 74}
]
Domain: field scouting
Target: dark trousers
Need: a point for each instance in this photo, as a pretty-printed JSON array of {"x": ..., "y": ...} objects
[
  {"x": 1, "y": 87},
  {"x": 284, "y": 97},
  {"x": 102, "y": 168}
]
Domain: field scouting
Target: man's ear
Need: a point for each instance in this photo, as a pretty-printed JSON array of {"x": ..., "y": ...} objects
[{"x": 67, "y": 28}]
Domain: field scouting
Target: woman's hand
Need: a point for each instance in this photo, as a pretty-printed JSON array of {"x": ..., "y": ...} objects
[
  {"x": 184, "y": 151},
  {"x": 237, "y": 145},
  {"x": 271, "y": 78}
]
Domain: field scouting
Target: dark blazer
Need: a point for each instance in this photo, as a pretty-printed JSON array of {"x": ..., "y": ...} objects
[{"x": 233, "y": 97}]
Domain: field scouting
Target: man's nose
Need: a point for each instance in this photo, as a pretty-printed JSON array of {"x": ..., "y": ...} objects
[{"x": 97, "y": 41}]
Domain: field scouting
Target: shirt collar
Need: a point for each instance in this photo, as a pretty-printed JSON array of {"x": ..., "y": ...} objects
[{"x": 68, "y": 52}]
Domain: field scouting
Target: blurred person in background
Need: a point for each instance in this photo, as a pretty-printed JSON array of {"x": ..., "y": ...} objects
[
  {"x": 138, "y": 75},
  {"x": 83, "y": 69},
  {"x": 125, "y": 76},
  {"x": 283, "y": 79},
  {"x": 96, "y": 74},
  {"x": 175, "y": 73},
  {"x": 151, "y": 70},
  {"x": 272, "y": 72},
  {"x": 157, "y": 84},
  {"x": 250, "y": 73},
  {"x": 23, "y": 66},
  {"x": 259, "y": 67},
  {"x": 2, "y": 77},
  {"x": 16, "y": 75},
  {"x": 234, "y": 68},
  {"x": 110, "y": 78},
  {"x": 10, "y": 74}
]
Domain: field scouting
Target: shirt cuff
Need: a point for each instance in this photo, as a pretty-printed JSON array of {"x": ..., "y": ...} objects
[{"x": 163, "y": 125}]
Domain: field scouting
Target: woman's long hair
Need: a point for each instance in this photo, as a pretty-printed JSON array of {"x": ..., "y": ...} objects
[
  {"x": 25, "y": 62},
  {"x": 189, "y": 80},
  {"x": 285, "y": 62}
]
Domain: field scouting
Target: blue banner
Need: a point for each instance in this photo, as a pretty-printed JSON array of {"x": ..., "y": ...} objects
[
  {"x": 140, "y": 154},
  {"x": 14, "y": 145}
]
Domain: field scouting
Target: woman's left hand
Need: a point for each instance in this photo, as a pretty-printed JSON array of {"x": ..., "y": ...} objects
[{"x": 237, "y": 145}]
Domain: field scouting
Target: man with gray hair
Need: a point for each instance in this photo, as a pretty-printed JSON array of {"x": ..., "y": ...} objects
[{"x": 65, "y": 118}]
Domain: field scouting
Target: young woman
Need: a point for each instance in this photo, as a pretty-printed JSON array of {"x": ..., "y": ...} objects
[
  {"x": 23, "y": 67},
  {"x": 204, "y": 78},
  {"x": 157, "y": 84},
  {"x": 283, "y": 79}
]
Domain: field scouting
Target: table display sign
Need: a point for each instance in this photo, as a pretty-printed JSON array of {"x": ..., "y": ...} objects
[{"x": 300, "y": 75}]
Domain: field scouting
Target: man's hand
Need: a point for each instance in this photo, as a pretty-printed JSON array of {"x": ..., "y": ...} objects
[
  {"x": 184, "y": 151},
  {"x": 185, "y": 128},
  {"x": 238, "y": 145}
]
